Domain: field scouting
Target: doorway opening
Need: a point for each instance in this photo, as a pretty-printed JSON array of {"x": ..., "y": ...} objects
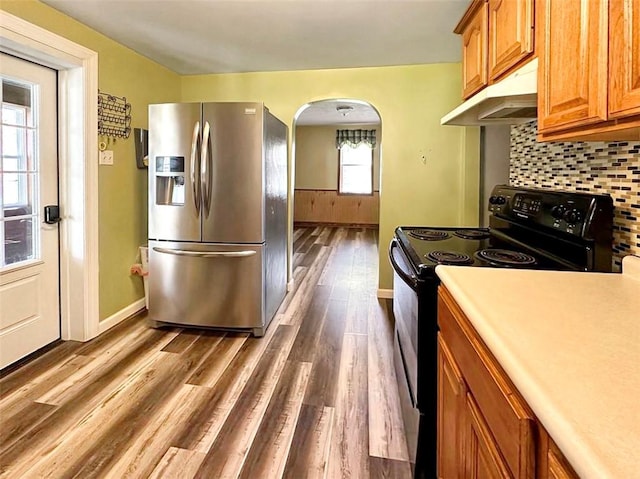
[{"x": 336, "y": 152}]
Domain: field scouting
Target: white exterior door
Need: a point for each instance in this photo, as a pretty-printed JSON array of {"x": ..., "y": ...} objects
[{"x": 29, "y": 248}]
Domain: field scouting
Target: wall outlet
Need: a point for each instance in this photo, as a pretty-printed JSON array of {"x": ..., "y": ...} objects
[{"x": 106, "y": 157}]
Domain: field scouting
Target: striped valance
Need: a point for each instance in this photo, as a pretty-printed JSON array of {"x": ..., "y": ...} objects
[{"x": 353, "y": 138}]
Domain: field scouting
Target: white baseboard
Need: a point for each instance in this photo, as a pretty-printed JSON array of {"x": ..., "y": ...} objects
[
  {"x": 385, "y": 293},
  {"x": 121, "y": 315},
  {"x": 290, "y": 286}
]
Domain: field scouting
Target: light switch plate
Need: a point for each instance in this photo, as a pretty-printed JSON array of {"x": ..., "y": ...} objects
[{"x": 106, "y": 157}]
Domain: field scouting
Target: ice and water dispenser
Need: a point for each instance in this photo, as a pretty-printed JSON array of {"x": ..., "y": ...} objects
[{"x": 170, "y": 180}]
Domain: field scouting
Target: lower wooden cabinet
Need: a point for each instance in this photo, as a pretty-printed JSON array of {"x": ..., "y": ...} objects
[
  {"x": 485, "y": 427},
  {"x": 552, "y": 464},
  {"x": 481, "y": 453},
  {"x": 452, "y": 393}
]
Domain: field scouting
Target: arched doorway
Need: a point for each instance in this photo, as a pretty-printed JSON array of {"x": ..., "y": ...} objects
[{"x": 336, "y": 164}]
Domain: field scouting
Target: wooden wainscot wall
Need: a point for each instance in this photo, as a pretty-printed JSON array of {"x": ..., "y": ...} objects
[{"x": 329, "y": 207}]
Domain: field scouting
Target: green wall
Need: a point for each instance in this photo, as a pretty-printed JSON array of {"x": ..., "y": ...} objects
[
  {"x": 122, "y": 187},
  {"x": 411, "y": 100},
  {"x": 429, "y": 173}
]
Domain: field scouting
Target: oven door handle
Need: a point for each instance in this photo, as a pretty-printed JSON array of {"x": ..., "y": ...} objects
[{"x": 410, "y": 279}]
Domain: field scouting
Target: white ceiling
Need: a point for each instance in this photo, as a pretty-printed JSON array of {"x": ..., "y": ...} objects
[
  {"x": 214, "y": 36},
  {"x": 325, "y": 113}
]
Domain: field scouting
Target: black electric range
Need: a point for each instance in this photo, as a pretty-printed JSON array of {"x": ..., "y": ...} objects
[{"x": 528, "y": 228}]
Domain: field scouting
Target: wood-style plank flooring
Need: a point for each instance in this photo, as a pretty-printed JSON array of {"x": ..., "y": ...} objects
[{"x": 315, "y": 398}]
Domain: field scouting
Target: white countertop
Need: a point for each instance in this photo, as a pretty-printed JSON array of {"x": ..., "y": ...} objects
[{"x": 570, "y": 342}]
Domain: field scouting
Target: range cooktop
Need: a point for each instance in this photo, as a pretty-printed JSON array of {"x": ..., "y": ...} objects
[{"x": 429, "y": 247}]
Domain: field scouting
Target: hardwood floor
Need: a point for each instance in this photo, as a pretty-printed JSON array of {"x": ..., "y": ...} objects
[{"x": 315, "y": 398}]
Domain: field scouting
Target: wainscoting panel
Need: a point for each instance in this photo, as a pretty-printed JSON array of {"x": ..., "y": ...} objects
[{"x": 327, "y": 206}]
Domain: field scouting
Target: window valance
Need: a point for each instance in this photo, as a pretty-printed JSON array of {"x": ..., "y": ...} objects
[{"x": 353, "y": 138}]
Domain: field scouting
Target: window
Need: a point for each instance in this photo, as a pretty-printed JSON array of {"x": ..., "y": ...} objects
[{"x": 356, "y": 170}]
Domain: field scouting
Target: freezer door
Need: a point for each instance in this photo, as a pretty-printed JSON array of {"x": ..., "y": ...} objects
[
  {"x": 206, "y": 285},
  {"x": 174, "y": 170},
  {"x": 233, "y": 173}
]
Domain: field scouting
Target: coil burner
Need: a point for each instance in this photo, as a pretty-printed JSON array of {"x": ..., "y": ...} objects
[
  {"x": 429, "y": 235},
  {"x": 449, "y": 257},
  {"x": 505, "y": 257},
  {"x": 472, "y": 234}
]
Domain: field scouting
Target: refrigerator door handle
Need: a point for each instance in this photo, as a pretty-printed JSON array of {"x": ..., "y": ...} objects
[
  {"x": 205, "y": 168},
  {"x": 206, "y": 254},
  {"x": 195, "y": 146}
]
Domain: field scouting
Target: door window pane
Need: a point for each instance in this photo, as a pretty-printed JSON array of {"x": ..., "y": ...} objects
[
  {"x": 14, "y": 115},
  {"x": 18, "y": 146},
  {"x": 19, "y": 190},
  {"x": 19, "y": 202},
  {"x": 18, "y": 239},
  {"x": 17, "y": 101}
]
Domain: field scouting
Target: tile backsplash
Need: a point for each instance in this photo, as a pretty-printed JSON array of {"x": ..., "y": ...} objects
[{"x": 599, "y": 167}]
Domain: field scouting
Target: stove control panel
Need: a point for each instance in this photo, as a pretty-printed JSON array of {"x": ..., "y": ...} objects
[
  {"x": 527, "y": 204},
  {"x": 568, "y": 212}
]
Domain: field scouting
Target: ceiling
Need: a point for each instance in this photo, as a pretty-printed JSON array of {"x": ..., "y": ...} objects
[
  {"x": 326, "y": 113},
  {"x": 214, "y": 36}
]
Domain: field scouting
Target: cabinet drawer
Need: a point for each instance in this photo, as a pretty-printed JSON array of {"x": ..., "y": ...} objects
[{"x": 507, "y": 416}]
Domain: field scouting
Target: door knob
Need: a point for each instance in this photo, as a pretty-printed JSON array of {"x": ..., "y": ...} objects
[{"x": 52, "y": 214}]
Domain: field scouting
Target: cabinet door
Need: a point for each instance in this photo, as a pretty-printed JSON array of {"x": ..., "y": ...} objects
[
  {"x": 624, "y": 58},
  {"x": 482, "y": 458},
  {"x": 552, "y": 463},
  {"x": 474, "y": 53},
  {"x": 572, "y": 73},
  {"x": 558, "y": 469},
  {"x": 510, "y": 34},
  {"x": 451, "y": 397}
]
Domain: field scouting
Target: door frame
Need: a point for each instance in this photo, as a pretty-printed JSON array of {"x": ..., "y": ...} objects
[{"x": 77, "y": 68}]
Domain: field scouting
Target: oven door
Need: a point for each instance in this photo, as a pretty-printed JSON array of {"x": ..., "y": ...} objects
[{"x": 405, "y": 310}]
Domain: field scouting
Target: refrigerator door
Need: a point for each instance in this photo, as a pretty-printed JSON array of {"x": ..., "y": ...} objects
[
  {"x": 174, "y": 171},
  {"x": 209, "y": 285},
  {"x": 233, "y": 173}
]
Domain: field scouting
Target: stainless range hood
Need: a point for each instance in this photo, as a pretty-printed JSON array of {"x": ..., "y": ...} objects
[{"x": 510, "y": 101}]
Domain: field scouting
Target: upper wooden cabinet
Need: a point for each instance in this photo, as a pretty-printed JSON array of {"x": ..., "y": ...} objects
[
  {"x": 497, "y": 36},
  {"x": 474, "y": 48},
  {"x": 589, "y": 69},
  {"x": 624, "y": 58},
  {"x": 572, "y": 68},
  {"x": 511, "y": 35}
]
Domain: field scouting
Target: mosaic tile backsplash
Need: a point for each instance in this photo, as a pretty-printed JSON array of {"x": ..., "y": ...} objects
[{"x": 599, "y": 167}]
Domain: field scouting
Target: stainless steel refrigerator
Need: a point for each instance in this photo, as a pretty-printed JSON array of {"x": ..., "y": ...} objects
[{"x": 217, "y": 215}]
